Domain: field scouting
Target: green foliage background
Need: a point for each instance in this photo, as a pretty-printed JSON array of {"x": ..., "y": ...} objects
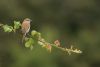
[{"x": 73, "y": 22}]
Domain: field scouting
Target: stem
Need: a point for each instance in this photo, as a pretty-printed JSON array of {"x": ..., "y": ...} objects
[{"x": 69, "y": 50}]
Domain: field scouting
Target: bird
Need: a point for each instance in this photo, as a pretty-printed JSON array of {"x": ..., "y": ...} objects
[{"x": 25, "y": 27}]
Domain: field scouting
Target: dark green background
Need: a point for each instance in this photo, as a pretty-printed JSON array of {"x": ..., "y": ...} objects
[{"x": 73, "y": 22}]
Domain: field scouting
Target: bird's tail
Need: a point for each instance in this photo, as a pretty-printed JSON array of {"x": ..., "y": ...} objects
[{"x": 23, "y": 38}]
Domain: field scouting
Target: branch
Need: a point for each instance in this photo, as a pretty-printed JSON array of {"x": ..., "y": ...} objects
[
  {"x": 35, "y": 38},
  {"x": 56, "y": 44}
]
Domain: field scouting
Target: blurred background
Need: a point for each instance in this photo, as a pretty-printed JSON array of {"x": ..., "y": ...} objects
[{"x": 73, "y": 22}]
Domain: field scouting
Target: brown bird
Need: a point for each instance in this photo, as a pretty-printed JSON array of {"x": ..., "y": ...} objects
[{"x": 25, "y": 27}]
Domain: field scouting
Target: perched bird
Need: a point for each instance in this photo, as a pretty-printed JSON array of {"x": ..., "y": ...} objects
[{"x": 25, "y": 27}]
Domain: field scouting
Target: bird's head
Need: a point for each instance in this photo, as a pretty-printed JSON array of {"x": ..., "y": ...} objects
[{"x": 27, "y": 19}]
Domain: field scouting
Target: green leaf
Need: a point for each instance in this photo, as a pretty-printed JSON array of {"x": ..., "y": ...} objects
[
  {"x": 29, "y": 42},
  {"x": 38, "y": 34},
  {"x": 7, "y": 28},
  {"x": 33, "y": 33},
  {"x": 17, "y": 24}
]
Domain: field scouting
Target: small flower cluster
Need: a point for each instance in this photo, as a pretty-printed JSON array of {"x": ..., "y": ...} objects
[{"x": 35, "y": 38}]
